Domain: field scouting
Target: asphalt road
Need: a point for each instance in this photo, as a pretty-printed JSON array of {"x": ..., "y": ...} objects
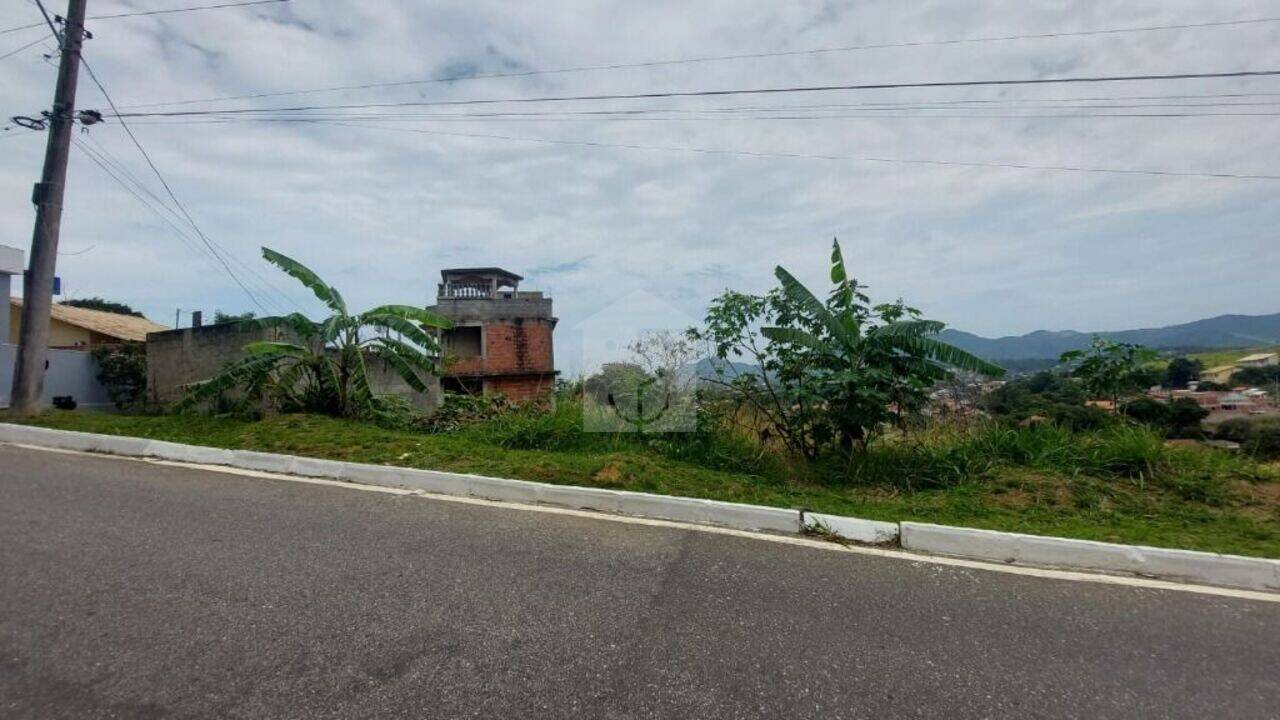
[{"x": 136, "y": 590}]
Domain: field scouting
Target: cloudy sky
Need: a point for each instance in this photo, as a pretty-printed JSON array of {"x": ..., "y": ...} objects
[{"x": 378, "y": 205}]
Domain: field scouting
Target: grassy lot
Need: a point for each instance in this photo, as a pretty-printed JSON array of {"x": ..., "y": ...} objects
[{"x": 1126, "y": 487}]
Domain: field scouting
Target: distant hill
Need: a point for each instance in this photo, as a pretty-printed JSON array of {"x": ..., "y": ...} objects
[
  {"x": 1223, "y": 331},
  {"x": 706, "y": 369}
]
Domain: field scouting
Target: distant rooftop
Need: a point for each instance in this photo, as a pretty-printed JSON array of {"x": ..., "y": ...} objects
[
  {"x": 479, "y": 283},
  {"x": 488, "y": 271},
  {"x": 1257, "y": 357},
  {"x": 115, "y": 325}
]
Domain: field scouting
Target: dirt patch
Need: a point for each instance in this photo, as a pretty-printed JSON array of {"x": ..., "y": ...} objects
[
  {"x": 611, "y": 475},
  {"x": 1261, "y": 500}
]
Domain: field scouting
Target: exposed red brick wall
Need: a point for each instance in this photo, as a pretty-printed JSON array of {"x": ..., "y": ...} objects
[
  {"x": 522, "y": 389},
  {"x": 510, "y": 347}
]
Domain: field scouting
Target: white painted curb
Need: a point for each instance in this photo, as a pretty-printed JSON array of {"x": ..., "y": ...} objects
[
  {"x": 987, "y": 545},
  {"x": 870, "y": 532},
  {"x": 1019, "y": 549},
  {"x": 733, "y": 515}
]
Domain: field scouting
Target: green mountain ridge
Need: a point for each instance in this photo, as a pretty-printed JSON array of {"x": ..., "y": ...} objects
[{"x": 1223, "y": 331}]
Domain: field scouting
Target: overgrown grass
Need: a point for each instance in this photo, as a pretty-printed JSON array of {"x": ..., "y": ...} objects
[{"x": 1120, "y": 484}]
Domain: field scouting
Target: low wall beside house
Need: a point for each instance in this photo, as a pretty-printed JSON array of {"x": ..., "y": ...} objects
[
  {"x": 177, "y": 358},
  {"x": 70, "y": 372}
]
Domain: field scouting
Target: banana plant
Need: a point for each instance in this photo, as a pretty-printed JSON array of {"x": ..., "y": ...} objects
[
  {"x": 870, "y": 363},
  {"x": 322, "y": 365}
]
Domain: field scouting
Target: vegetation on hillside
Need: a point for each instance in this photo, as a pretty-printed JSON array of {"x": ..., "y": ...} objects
[{"x": 835, "y": 409}]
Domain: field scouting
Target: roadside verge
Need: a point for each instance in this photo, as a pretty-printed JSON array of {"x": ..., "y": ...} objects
[{"x": 985, "y": 545}]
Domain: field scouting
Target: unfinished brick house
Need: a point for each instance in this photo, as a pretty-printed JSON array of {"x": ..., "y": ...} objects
[{"x": 502, "y": 339}]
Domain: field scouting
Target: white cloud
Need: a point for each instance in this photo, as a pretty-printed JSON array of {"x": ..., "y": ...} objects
[{"x": 379, "y": 212}]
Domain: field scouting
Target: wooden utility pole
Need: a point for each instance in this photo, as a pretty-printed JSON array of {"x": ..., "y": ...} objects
[{"x": 37, "y": 284}]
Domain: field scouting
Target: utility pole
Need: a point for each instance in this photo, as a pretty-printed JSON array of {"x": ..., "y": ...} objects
[{"x": 37, "y": 284}]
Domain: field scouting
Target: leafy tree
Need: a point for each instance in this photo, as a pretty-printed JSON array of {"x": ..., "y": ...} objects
[
  {"x": 834, "y": 371},
  {"x": 221, "y": 318},
  {"x": 97, "y": 303},
  {"x": 1038, "y": 394},
  {"x": 1111, "y": 370},
  {"x": 613, "y": 378},
  {"x": 1184, "y": 418},
  {"x": 1210, "y": 386},
  {"x": 122, "y": 370},
  {"x": 1258, "y": 376},
  {"x": 1181, "y": 371},
  {"x": 324, "y": 369}
]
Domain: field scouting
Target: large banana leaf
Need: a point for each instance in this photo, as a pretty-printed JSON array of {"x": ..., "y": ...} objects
[
  {"x": 297, "y": 322},
  {"x": 951, "y": 355},
  {"x": 403, "y": 366},
  {"x": 908, "y": 328},
  {"x": 843, "y": 292},
  {"x": 425, "y": 318},
  {"x": 800, "y": 295},
  {"x": 241, "y": 372},
  {"x": 327, "y": 294},
  {"x": 268, "y": 347},
  {"x": 407, "y": 328}
]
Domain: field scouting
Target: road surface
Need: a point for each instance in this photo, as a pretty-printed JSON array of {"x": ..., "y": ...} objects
[{"x": 138, "y": 590}]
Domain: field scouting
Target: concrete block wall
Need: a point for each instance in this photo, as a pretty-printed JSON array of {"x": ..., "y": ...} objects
[{"x": 176, "y": 358}]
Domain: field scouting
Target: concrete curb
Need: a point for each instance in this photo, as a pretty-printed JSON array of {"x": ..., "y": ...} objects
[
  {"x": 726, "y": 514},
  {"x": 986, "y": 545},
  {"x": 868, "y": 532},
  {"x": 1015, "y": 548}
]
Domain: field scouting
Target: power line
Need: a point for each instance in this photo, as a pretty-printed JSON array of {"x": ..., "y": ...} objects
[
  {"x": 1112, "y": 102},
  {"x": 105, "y": 155},
  {"x": 731, "y": 118},
  {"x": 15, "y": 51},
  {"x": 803, "y": 156},
  {"x": 723, "y": 93},
  {"x": 124, "y": 170},
  {"x": 159, "y": 176},
  {"x": 712, "y": 58},
  {"x": 103, "y": 162},
  {"x": 142, "y": 13}
]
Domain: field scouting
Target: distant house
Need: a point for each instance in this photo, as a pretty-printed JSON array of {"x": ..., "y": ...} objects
[
  {"x": 80, "y": 329},
  {"x": 1220, "y": 374},
  {"x": 1236, "y": 401},
  {"x": 1258, "y": 360},
  {"x": 501, "y": 342}
]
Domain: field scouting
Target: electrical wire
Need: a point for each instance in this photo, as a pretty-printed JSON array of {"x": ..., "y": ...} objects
[
  {"x": 685, "y": 117},
  {"x": 15, "y": 51},
  {"x": 112, "y": 163},
  {"x": 104, "y": 164},
  {"x": 723, "y": 93},
  {"x": 169, "y": 190},
  {"x": 804, "y": 156},
  {"x": 711, "y": 58},
  {"x": 143, "y": 13}
]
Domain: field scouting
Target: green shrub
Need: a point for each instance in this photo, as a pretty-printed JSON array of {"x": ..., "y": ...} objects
[
  {"x": 458, "y": 410},
  {"x": 1147, "y": 411},
  {"x": 122, "y": 370},
  {"x": 1234, "y": 430},
  {"x": 1257, "y": 437}
]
